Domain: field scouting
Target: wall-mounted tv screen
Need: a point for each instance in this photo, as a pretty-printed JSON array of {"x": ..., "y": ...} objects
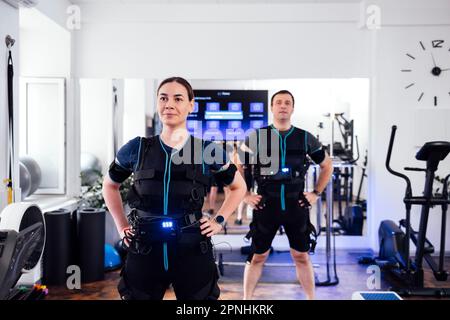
[{"x": 227, "y": 114}]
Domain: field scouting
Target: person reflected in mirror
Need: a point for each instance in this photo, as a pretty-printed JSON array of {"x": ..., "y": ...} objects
[{"x": 281, "y": 198}]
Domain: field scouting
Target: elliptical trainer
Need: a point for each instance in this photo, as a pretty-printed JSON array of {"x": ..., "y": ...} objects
[{"x": 395, "y": 244}]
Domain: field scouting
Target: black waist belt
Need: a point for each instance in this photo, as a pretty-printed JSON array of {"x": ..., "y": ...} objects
[
  {"x": 276, "y": 194},
  {"x": 279, "y": 179},
  {"x": 182, "y": 220},
  {"x": 149, "y": 229}
]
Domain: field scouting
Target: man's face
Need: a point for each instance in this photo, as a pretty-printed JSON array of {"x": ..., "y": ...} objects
[{"x": 282, "y": 106}]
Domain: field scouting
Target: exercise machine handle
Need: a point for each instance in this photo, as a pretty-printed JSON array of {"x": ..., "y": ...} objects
[
  {"x": 357, "y": 149},
  {"x": 415, "y": 169},
  {"x": 408, "y": 192},
  {"x": 354, "y": 160},
  {"x": 445, "y": 190}
]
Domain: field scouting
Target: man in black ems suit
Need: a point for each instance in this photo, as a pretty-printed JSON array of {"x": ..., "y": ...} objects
[{"x": 279, "y": 155}]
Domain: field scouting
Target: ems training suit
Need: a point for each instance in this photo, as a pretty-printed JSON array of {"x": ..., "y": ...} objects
[
  {"x": 169, "y": 193},
  {"x": 213, "y": 182},
  {"x": 281, "y": 190}
]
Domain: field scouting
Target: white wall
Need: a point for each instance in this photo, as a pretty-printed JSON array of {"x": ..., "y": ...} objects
[
  {"x": 9, "y": 24},
  {"x": 221, "y": 41},
  {"x": 46, "y": 46},
  {"x": 55, "y": 10}
]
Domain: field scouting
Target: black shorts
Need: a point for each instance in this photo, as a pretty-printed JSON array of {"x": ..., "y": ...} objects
[
  {"x": 267, "y": 221},
  {"x": 191, "y": 272},
  {"x": 214, "y": 183},
  {"x": 248, "y": 178}
]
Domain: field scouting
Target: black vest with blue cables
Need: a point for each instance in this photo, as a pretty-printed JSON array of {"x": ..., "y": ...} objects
[
  {"x": 167, "y": 197},
  {"x": 288, "y": 178},
  {"x": 164, "y": 188}
]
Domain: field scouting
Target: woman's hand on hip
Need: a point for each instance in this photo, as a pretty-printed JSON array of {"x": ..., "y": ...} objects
[
  {"x": 125, "y": 234},
  {"x": 209, "y": 227}
]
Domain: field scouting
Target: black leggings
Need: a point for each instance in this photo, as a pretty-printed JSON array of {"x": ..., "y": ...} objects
[{"x": 191, "y": 271}]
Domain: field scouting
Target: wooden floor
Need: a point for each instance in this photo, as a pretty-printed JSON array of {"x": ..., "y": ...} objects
[{"x": 277, "y": 283}]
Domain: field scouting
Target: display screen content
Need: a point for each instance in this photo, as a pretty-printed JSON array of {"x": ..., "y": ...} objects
[{"x": 221, "y": 115}]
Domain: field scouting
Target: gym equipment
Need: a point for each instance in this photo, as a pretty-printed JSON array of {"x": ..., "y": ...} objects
[
  {"x": 57, "y": 253},
  {"x": 112, "y": 258},
  {"x": 351, "y": 219},
  {"x": 11, "y": 149},
  {"x": 30, "y": 176},
  {"x": 394, "y": 243},
  {"x": 351, "y": 222},
  {"x": 35, "y": 172},
  {"x": 25, "y": 180},
  {"x": 22, "y": 242},
  {"x": 375, "y": 295},
  {"x": 336, "y": 149},
  {"x": 91, "y": 243},
  {"x": 115, "y": 120},
  {"x": 345, "y": 153},
  {"x": 36, "y": 292},
  {"x": 120, "y": 248},
  {"x": 90, "y": 168},
  {"x": 330, "y": 248},
  {"x": 359, "y": 201}
]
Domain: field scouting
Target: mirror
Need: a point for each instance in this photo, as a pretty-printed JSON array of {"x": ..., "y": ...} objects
[
  {"x": 42, "y": 120},
  {"x": 333, "y": 110}
]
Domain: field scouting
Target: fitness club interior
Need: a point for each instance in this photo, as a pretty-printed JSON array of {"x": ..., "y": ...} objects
[{"x": 79, "y": 79}]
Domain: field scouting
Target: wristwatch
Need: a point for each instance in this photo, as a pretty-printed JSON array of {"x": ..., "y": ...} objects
[
  {"x": 317, "y": 193},
  {"x": 220, "y": 220}
]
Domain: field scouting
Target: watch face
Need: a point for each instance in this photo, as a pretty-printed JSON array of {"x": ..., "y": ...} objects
[{"x": 220, "y": 219}]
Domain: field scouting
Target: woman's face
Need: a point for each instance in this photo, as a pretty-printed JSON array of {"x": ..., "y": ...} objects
[{"x": 173, "y": 104}]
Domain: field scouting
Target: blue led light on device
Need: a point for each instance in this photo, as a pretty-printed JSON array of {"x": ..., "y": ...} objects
[
  {"x": 167, "y": 224},
  {"x": 285, "y": 170}
]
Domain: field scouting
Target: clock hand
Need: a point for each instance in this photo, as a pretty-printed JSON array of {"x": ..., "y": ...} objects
[
  {"x": 434, "y": 61},
  {"x": 445, "y": 69}
]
